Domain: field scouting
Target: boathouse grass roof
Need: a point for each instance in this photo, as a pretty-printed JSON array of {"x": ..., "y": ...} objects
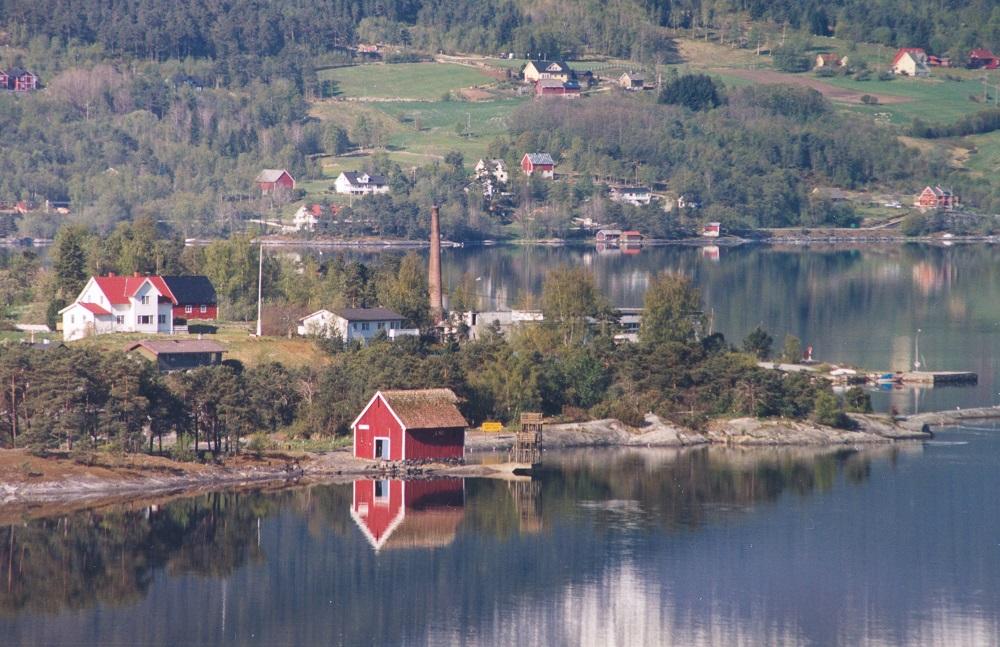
[{"x": 426, "y": 408}]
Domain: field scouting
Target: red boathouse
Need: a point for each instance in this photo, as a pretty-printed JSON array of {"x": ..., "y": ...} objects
[{"x": 410, "y": 425}]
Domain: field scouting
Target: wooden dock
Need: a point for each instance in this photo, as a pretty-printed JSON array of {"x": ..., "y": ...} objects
[{"x": 939, "y": 377}]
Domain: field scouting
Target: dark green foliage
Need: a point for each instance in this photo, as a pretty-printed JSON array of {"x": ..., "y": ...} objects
[
  {"x": 828, "y": 410},
  {"x": 792, "y": 59},
  {"x": 693, "y": 91},
  {"x": 985, "y": 121},
  {"x": 69, "y": 261},
  {"x": 857, "y": 400},
  {"x": 758, "y": 343}
]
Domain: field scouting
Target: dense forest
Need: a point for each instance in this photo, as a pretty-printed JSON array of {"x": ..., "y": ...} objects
[{"x": 237, "y": 33}]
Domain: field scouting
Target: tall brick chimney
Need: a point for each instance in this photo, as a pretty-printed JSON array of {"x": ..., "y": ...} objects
[{"x": 434, "y": 270}]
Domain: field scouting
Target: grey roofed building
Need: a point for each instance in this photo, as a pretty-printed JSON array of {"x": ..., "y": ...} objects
[
  {"x": 355, "y": 178},
  {"x": 191, "y": 289},
  {"x": 540, "y": 158},
  {"x": 179, "y": 354},
  {"x": 368, "y": 314},
  {"x": 270, "y": 175}
]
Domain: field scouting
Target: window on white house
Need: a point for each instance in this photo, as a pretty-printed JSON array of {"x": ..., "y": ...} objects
[
  {"x": 162, "y": 319},
  {"x": 144, "y": 299},
  {"x": 72, "y": 318},
  {"x": 381, "y": 325},
  {"x": 203, "y": 309},
  {"x": 119, "y": 320},
  {"x": 355, "y": 325},
  {"x": 188, "y": 309},
  {"x": 145, "y": 320},
  {"x": 364, "y": 325}
]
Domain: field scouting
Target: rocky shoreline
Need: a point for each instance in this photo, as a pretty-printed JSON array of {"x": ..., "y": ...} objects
[
  {"x": 736, "y": 431},
  {"x": 71, "y": 482}
]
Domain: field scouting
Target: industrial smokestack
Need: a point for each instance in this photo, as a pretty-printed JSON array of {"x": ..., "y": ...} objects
[{"x": 434, "y": 271}]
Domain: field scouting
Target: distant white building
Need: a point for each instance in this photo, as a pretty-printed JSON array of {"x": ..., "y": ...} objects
[
  {"x": 496, "y": 169},
  {"x": 355, "y": 183},
  {"x": 492, "y": 176},
  {"x": 309, "y": 215},
  {"x": 355, "y": 323},
  {"x": 634, "y": 195}
]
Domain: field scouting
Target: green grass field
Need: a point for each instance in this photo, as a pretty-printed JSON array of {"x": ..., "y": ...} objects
[
  {"x": 933, "y": 100},
  {"x": 418, "y": 128},
  {"x": 985, "y": 157},
  {"x": 413, "y": 81}
]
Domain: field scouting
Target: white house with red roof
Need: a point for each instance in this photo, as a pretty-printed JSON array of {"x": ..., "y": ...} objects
[
  {"x": 136, "y": 303},
  {"x": 910, "y": 61}
]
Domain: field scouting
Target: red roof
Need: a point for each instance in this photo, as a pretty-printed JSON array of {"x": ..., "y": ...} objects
[
  {"x": 631, "y": 233},
  {"x": 119, "y": 289},
  {"x": 907, "y": 50},
  {"x": 96, "y": 309},
  {"x": 982, "y": 53}
]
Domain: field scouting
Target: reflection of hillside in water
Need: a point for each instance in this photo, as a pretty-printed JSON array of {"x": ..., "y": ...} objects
[{"x": 112, "y": 555}]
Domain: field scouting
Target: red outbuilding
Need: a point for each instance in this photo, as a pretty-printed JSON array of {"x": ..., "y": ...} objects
[
  {"x": 4, "y": 80},
  {"x": 273, "y": 179},
  {"x": 983, "y": 59},
  {"x": 541, "y": 163},
  {"x": 410, "y": 425},
  {"x": 408, "y": 514}
]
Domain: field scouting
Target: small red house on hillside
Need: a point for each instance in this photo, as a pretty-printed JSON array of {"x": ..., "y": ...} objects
[
  {"x": 983, "y": 59},
  {"x": 272, "y": 179},
  {"x": 541, "y": 163},
  {"x": 410, "y": 425},
  {"x": 408, "y": 514},
  {"x": 4, "y": 80},
  {"x": 21, "y": 81},
  {"x": 937, "y": 198}
]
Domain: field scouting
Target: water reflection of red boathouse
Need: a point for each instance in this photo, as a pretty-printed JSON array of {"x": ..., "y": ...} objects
[{"x": 392, "y": 513}]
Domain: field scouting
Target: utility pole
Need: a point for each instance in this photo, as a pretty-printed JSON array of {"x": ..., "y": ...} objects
[{"x": 260, "y": 292}]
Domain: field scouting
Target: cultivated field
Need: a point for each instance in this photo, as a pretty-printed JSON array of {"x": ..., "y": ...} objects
[{"x": 410, "y": 81}]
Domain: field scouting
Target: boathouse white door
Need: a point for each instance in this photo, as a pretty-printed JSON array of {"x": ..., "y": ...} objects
[{"x": 382, "y": 448}]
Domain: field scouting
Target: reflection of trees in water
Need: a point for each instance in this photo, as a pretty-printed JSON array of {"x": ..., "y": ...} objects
[
  {"x": 683, "y": 488},
  {"x": 110, "y": 556},
  {"x": 513, "y": 544}
]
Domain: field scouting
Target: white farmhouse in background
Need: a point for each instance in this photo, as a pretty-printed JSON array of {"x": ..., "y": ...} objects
[
  {"x": 354, "y": 183},
  {"x": 355, "y": 323}
]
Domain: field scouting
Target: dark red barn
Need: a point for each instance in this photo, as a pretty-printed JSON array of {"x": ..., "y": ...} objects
[
  {"x": 274, "y": 179},
  {"x": 408, "y": 514},
  {"x": 410, "y": 425}
]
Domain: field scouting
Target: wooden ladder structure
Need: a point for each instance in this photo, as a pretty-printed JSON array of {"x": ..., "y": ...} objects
[{"x": 527, "y": 449}]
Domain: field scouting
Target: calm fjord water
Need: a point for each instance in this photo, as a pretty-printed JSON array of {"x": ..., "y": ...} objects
[
  {"x": 888, "y": 545},
  {"x": 892, "y": 545}
]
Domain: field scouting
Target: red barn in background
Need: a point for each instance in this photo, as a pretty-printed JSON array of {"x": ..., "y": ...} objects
[
  {"x": 272, "y": 179},
  {"x": 410, "y": 425},
  {"x": 414, "y": 514}
]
